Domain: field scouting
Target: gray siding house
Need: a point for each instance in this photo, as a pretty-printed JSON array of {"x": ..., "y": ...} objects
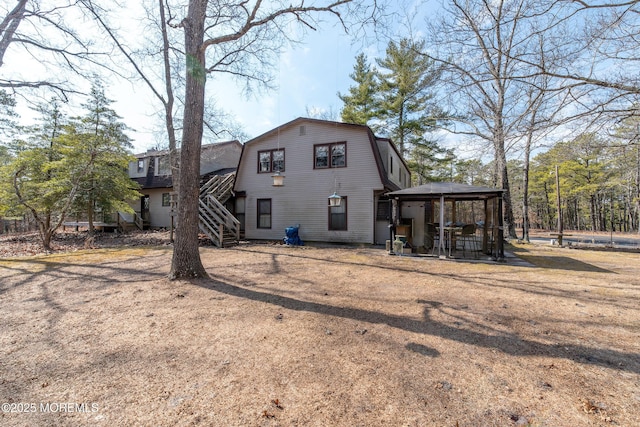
[
  {"x": 317, "y": 159},
  {"x": 152, "y": 171}
]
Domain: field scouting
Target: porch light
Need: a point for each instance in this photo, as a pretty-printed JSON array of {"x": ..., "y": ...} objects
[
  {"x": 334, "y": 199},
  {"x": 278, "y": 180}
]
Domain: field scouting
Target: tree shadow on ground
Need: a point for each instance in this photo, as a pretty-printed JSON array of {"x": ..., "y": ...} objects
[
  {"x": 507, "y": 343},
  {"x": 498, "y": 280},
  {"x": 100, "y": 272},
  {"x": 557, "y": 262},
  {"x": 562, "y": 263}
]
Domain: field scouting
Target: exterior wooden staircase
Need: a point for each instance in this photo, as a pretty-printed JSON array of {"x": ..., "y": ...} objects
[
  {"x": 216, "y": 222},
  {"x": 127, "y": 221}
]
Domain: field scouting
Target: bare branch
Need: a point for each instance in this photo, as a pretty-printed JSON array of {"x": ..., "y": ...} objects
[
  {"x": 60, "y": 87},
  {"x": 252, "y": 21},
  {"x": 9, "y": 25}
]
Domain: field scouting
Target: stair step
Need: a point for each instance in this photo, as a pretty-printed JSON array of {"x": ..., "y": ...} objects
[{"x": 219, "y": 188}]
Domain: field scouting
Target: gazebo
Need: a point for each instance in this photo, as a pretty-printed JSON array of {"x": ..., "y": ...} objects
[{"x": 417, "y": 204}]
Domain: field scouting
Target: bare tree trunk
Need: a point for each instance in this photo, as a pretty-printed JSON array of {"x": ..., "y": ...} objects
[
  {"x": 560, "y": 227},
  {"x": 525, "y": 192},
  {"x": 592, "y": 208},
  {"x": 503, "y": 176},
  {"x": 174, "y": 157},
  {"x": 549, "y": 216},
  {"x": 46, "y": 236},
  {"x": 9, "y": 25},
  {"x": 637, "y": 189},
  {"x": 91, "y": 228},
  {"x": 509, "y": 222},
  {"x": 46, "y": 233},
  {"x": 168, "y": 103},
  {"x": 186, "y": 261}
]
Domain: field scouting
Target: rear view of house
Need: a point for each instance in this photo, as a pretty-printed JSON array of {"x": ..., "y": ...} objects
[{"x": 318, "y": 159}]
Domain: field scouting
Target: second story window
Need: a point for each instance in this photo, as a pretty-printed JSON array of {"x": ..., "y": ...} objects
[
  {"x": 330, "y": 155},
  {"x": 271, "y": 161},
  {"x": 163, "y": 167},
  {"x": 140, "y": 165}
]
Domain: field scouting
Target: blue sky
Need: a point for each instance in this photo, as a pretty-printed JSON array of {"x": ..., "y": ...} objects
[{"x": 309, "y": 76}]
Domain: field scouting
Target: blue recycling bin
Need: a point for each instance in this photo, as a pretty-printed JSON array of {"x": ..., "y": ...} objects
[{"x": 292, "y": 237}]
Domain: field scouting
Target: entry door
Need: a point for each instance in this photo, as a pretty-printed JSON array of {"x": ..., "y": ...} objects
[{"x": 144, "y": 208}]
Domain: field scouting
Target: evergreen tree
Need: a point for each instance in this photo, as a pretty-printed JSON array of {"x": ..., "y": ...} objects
[
  {"x": 361, "y": 105},
  {"x": 626, "y": 166},
  {"x": 585, "y": 183},
  {"x": 42, "y": 177},
  {"x": 7, "y": 114},
  {"x": 7, "y": 124},
  {"x": 106, "y": 185},
  {"x": 63, "y": 163},
  {"x": 407, "y": 110},
  {"x": 431, "y": 164}
]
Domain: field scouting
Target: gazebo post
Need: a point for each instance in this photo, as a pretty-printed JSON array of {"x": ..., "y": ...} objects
[
  {"x": 393, "y": 220},
  {"x": 485, "y": 227},
  {"x": 500, "y": 242}
]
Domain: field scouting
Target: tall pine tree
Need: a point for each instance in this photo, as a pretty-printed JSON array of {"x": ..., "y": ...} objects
[
  {"x": 106, "y": 185},
  {"x": 361, "y": 104},
  {"x": 398, "y": 101},
  {"x": 407, "y": 109}
]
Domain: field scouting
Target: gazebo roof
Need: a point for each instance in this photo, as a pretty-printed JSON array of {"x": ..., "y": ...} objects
[{"x": 450, "y": 190}]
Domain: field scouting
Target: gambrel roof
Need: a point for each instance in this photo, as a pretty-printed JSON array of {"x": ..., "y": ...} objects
[{"x": 388, "y": 184}]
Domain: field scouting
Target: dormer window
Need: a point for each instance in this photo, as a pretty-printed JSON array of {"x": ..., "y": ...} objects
[
  {"x": 140, "y": 165},
  {"x": 163, "y": 167}
]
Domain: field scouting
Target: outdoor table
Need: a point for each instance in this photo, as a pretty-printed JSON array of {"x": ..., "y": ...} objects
[{"x": 449, "y": 234}]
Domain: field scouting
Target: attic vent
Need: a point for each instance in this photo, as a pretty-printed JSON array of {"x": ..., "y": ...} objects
[{"x": 303, "y": 130}]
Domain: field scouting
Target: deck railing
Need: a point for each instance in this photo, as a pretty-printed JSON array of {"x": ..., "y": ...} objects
[{"x": 216, "y": 222}]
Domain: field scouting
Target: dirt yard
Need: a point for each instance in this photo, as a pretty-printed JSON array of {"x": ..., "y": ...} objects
[{"x": 318, "y": 336}]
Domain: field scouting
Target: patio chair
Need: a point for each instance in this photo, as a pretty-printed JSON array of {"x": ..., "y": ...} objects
[
  {"x": 468, "y": 234},
  {"x": 432, "y": 236}
]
